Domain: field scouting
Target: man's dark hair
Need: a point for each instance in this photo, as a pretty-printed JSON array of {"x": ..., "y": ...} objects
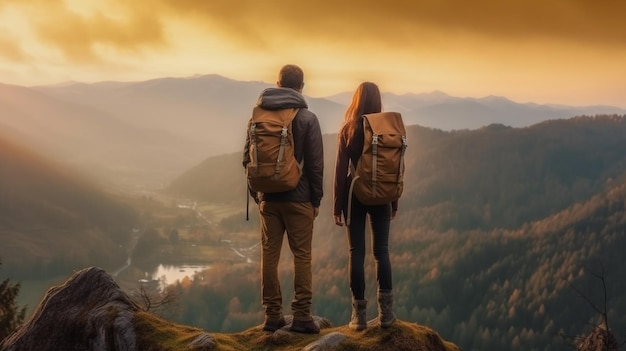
[{"x": 291, "y": 76}]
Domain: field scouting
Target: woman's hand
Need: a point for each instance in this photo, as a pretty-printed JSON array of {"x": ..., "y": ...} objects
[{"x": 338, "y": 221}]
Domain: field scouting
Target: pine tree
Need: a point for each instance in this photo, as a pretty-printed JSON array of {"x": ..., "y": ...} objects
[{"x": 11, "y": 316}]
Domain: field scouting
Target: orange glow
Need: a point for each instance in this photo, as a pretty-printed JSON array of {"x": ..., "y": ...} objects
[{"x": 528, "y": 51}]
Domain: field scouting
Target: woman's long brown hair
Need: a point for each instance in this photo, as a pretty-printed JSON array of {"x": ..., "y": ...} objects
[{"x": 366, "y": 99}]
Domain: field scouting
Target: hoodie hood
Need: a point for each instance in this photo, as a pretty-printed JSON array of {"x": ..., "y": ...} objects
[{"x": 281, "y": 98}]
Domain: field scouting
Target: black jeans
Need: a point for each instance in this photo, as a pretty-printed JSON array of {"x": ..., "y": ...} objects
[{"x": 379, "y": 218}]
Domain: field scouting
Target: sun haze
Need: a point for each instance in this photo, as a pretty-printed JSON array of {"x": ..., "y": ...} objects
[{"x": 569, "y": 52}]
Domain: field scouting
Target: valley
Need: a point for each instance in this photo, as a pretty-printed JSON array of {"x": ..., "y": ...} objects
[{"x": 496, "y": 226}]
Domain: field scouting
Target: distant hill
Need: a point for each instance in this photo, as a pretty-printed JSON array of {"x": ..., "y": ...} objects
[
  {"x": 52, "y": 220},
  {"x": 499, "y": 177},
  {"x": 204, "y": 108},
  {"x": 441, "y": 111},
  {"x": 92, "y": 139}
]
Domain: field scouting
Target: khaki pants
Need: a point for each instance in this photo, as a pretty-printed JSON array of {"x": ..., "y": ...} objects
[{"x": 296, "y": 218}]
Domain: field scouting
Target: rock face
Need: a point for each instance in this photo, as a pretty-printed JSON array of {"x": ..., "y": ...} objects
[{"x": 88, "y": 312}]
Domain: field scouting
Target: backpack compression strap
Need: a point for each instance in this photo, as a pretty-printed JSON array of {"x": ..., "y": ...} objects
[
  {"x": 253, "y": 141},
  {"x": 401, "y": 173},
  {"x": 283, "y": 141},
  {"x": 374, "y": 160}
]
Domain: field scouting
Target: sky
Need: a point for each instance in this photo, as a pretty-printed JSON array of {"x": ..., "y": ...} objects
[{"x": 545, "y": 51}]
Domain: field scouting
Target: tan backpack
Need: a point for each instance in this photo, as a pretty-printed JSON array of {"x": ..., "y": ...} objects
[
  {"x": 272, "y": 165},
  {"x": 378, "y": 177}
]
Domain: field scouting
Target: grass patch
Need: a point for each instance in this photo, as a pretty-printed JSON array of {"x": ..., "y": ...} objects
[
  {"x": 156, "y": 334},
  {"x": 400, "y": 336}
]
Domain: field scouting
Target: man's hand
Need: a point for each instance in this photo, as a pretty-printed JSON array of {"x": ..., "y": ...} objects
[
  {"x": 316, "y": 212},
  {"x": 393, "y": 214}
]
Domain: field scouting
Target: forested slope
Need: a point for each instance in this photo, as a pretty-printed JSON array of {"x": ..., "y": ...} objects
[
  {"x": 52, "y": 220},
  {"x": 505, "y": 177},
  {"x": 485, "y": 290},
  {"x": 497, "y": 229}
]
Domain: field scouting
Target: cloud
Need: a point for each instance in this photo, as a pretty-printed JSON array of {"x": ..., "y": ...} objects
[
  {"x": 11, "y": 50},
  {"x": 132, "y": 26},
  {"x": 397, "y": 21},
  {"x": 78, "y": 34}
]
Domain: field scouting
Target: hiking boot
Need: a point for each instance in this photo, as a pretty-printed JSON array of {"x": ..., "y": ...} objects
[
  {"x": 273, "y": 325},
  {"x": 358, "y": 321},
  {"x": 305, "y": 327},
  {"x": 386, "y": 317}
]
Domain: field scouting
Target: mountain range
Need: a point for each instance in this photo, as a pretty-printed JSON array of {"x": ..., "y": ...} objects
[{"x": 146, "y": 133}]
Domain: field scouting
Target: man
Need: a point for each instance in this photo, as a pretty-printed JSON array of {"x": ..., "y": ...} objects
[{"x": 292, "y": 211}]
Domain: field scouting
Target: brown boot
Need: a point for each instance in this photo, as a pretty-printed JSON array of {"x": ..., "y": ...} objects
[
  {"x": 358, "y": 321},
  {"x": 273, "y": 325},
  {"x": 305, "y": 327},
  {"x": 386, "y": 317}
]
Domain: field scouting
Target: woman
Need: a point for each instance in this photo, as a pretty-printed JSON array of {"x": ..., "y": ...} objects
[{"x": 366, "y": 99}]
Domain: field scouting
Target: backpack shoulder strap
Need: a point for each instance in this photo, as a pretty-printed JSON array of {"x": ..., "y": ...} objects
[{"x": 283, "y": 139}]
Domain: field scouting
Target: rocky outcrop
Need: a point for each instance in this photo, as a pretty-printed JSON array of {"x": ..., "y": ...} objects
[
  {"x": 91, "y": 312},
  {"x": 88, "y": 312}
]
